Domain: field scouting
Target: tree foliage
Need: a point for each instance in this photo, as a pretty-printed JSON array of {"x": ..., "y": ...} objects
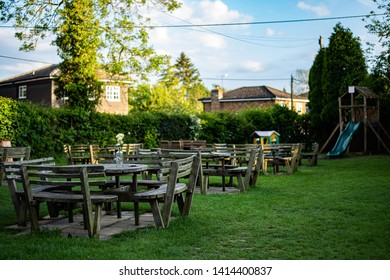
[
  {"x": 186, "y": 72},
  {"x": 379, "y": 80},
  {"x": 338, "y": 66},
  {"x": 178, "y": 90},
  {"x": 78, "y": 44},
  {"x": 89, "y": 34}
]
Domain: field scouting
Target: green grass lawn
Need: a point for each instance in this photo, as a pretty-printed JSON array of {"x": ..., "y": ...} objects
[{"x": 339, "y": 209}]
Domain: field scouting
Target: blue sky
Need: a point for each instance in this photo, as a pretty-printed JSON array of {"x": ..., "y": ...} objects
[{"x": 234, "y": 56}]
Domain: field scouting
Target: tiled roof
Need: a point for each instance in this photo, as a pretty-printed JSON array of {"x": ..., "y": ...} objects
[
  {"x": 51, "y": 71},
  {"x": 259, "y": 92},
  {"x": 44, "y": 72}
]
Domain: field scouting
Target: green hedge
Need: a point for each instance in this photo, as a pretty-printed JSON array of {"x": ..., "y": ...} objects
[{"x": 47, "y": 130}]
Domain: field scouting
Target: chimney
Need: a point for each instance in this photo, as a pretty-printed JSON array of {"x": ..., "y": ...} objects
[{"x": 216, "y": 95}]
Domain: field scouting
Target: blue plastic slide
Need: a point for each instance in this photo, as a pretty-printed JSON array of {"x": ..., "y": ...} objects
[{"x": 344, "y": 139}]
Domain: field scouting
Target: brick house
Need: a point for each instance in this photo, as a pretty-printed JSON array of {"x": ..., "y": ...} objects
[
  {"x": 252, "y": 97},
  {"x": 38, "y": 87}
]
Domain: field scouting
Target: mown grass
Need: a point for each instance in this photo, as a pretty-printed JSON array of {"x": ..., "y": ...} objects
[{"x": 337, "y": 210}]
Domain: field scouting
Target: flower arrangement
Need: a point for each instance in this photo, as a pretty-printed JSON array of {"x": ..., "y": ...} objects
[
  {"x": 119, "y": 154},
  {"x": 119, "y": 139}
]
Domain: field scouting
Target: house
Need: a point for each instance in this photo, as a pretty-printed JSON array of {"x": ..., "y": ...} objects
[
  {"x": 38, "y": 86},
  {"x": 252, "y": 97}
]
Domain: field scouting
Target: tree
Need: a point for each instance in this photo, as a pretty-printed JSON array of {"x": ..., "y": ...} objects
[
  {"x": 186, "y": 72},
  {"x": 343, "y": 65},
  {"x": 183, "y": 81},
  {"x": 379, "y": 80},
  {"x": 301, "y": 81},
  {"x": 381, "y": 27},
  {"x": 315, "y": 93},
  {"x": 89, "y": 32},
  {"x": 78, "y": 44}
]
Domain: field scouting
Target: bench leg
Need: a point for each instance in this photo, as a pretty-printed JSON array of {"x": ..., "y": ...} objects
[
  {"x": 241, "y": 182},
  {"x": 187, "y": 204},
  {"x": 97, "y": 220},
  {"x": 22, "y": 213},
  {"x": 118, "y": 209},
  {"x": 180, "y": 202},
  {"x": 52, "y": 209},
  {"x": 205, "y": 183},
  {"x": 158, "y": 220},
  {"x": 34, "y": 216}
]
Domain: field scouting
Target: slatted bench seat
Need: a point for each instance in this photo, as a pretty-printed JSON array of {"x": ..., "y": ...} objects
[
  {"x": 66, "y": 176},
  {"x": 310, "y": 153},
  {"x": 246, "y": 175},
  {"x": 172, "y": 190}
]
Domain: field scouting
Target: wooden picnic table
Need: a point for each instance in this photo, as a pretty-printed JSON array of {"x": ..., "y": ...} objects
[{"x": 126, "y": 194}]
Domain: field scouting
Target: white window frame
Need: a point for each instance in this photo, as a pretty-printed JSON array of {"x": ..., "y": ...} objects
[
  {"x": 299, "y": 107},
  {"x": 113, "y": 93},
  {"x": 22, "y": 92}
]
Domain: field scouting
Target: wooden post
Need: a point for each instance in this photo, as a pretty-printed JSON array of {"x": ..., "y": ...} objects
[
  {"x": 340, "y": 116},
  {"x": 365, "y": 124}
]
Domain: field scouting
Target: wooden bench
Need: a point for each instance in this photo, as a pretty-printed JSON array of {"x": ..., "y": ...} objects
[
  {"x": 273, "y": 154},
  {"x": 81, "y": 153},
  {"x": 182, "y": 144},
  {"x": 291, "y": 161},
  {"x": 246, "y": 175},
  {"x": 66, "y": 176},
  {"x": 172, "y": 190},
  {"x": 310, "y": 153},
  {"x": 12, "y": 172},
  {"x": 11, "y": 154}
]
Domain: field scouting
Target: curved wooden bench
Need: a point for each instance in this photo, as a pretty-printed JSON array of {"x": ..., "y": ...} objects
[
  {"x": 66, "y": 176},
  {"x": 172, "y": 190}
]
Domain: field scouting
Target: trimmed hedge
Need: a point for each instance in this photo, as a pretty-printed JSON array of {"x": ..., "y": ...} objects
[{"x": 47, "y": 130}]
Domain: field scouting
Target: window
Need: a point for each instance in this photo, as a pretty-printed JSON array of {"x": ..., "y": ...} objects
[
  {"x": 22, "y": 92},
  {"x": 299, "y": 107},
  {"x": 113, "y": 93}
]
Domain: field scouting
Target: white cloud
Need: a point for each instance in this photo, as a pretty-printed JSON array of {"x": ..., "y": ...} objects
[
  {"x": 270, "y": 32},
  {"x": 218, "y": 11},
  {"x": 252, "y": 66},
  {"x": 212, "y": 41},
  {"x": 321, "y": 10}
]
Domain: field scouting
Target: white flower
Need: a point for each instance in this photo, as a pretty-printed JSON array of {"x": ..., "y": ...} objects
[{"x": 119, "y": 139}]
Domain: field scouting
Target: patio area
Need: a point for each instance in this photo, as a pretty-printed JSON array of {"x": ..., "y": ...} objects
[{"x": 110, "y": 224}]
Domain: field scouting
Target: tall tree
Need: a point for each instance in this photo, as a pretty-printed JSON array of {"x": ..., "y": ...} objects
[
  {"x": 113, "y": 32},
  {"x": 379, "y": 80},
  {"x": 186, "y": 72},
  {"x": 316, "y": 95},
  {"x": 183, "y": 81},
  {"x": 343, "y": 65},
  {"x": 301, "y": 81},
  {"x": 78, "y": 44}
]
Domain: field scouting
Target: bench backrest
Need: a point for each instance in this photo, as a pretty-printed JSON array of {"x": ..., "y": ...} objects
[
  {"x": 12, "y": 172},
  {"x": 176, "y": 169},
  {"x": 61, "y": 177},
  {"x": 220, "y": 147},
  {"x": 81, "y": 153},
  {"x": 11, "y": 154}
]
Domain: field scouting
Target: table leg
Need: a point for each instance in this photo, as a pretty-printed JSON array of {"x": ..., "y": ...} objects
[
  {"x": 223, "y": 174},
  {"x": 136, "y": 205},
  {"x": 118, "y": 203}
]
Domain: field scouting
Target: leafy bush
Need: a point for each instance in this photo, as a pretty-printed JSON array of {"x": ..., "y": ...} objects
[{"x": 47, "y": 130}]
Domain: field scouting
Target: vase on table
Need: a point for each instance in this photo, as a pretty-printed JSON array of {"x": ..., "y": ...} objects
[{"x": 119, "y": 156}]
